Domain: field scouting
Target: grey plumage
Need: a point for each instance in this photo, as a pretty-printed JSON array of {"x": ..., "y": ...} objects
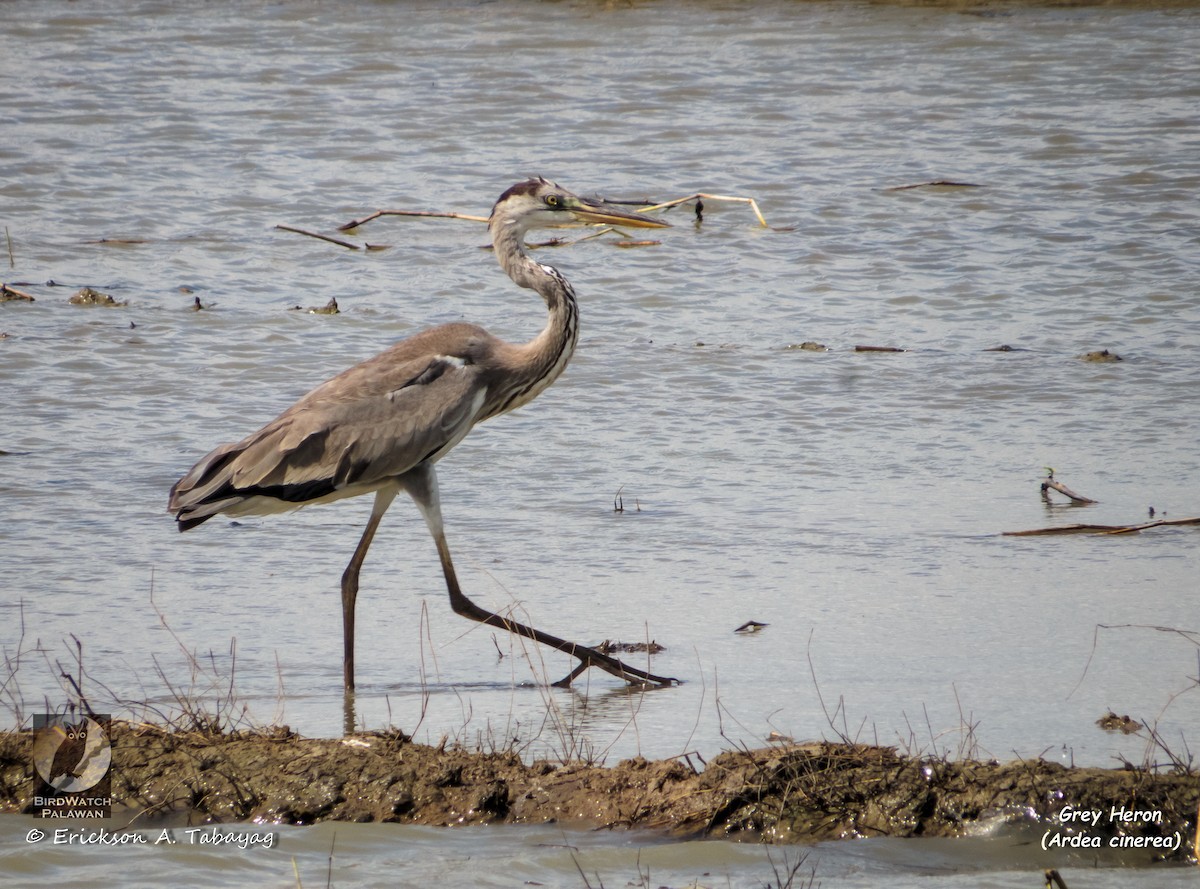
[{"x": 382, "y": 425}]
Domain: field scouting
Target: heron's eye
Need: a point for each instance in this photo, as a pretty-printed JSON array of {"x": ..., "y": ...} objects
[{"x": 551, "y": 200}]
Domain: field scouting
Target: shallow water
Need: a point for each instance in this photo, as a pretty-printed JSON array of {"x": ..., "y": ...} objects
[
  {"x": 395, "y": 855},
  {"x": 853, "y": 501}
]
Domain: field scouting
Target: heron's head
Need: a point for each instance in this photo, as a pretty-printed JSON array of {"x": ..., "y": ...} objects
[{"x": 539, "y": 203}]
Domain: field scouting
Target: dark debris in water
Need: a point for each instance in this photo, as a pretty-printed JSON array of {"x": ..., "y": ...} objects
[
  {"x": 86, "y": 296},
  {"x": 12, "y": 294},
  {"x": 610, "y": 647},
  {"x": 1111, "y": 722},
  {"x": 330, "y": 308}
]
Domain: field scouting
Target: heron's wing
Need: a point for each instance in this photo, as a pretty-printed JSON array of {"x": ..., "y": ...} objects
[{"x": 373, "y": 422}]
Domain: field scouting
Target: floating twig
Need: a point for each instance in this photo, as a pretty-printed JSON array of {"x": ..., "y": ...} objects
[
  {"x": 318, "y": 236},
  {"x": 355, "y": 223},
  {"x": 12, "y": 263},
  {"x": 1101, "y": 529},
  {"x": 879, "y": 349},
  {"x": 638, "y": 243},
  {"x": 946, "y": 183},
  {"x": 698, "y": 196}
]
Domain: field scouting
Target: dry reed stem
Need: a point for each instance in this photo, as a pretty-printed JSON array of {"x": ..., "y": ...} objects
[
  {"x": 708, "y": 197},
  {"x": 355, "y": 223}
]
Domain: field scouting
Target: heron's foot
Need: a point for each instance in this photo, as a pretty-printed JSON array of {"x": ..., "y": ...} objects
[{"x": 589, "y": 657}]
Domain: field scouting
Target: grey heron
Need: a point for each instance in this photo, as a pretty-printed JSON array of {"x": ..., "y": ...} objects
[{"x": 381, "y": 426}]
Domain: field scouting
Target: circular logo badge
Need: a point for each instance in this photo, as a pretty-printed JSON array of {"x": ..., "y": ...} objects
[{"x": 72, "y": 756}]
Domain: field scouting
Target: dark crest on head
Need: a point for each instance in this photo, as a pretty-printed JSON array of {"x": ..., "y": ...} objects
[{"x": 528, "y": 187}]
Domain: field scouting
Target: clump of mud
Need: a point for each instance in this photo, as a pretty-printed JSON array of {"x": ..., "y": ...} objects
[{"x": 801, "y": 792}]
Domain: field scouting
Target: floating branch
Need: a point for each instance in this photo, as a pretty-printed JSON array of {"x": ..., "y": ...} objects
[
  {"x": 355, "y": 223},
  {"x": 879, "y": 349},
  {"x": 1051, "y": 484},
  {"x": 942, "y": 182},
  {"x": 300, "y": 231},
  {"x": 1101, "y": 529},
  {"x": 698, "y": 196},
  {"x": 1048, "y": 484}
]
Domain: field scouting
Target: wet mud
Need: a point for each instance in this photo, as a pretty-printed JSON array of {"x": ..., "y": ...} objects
[{"x": 794, "y": 793}]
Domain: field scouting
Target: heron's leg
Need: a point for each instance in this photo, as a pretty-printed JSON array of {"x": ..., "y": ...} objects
[
  {"x": 421, "y": 485},
  {"x": 383, "y": 499}
]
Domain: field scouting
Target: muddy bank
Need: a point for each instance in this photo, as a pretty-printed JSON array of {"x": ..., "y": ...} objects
[{"x": 786, "y": 794}]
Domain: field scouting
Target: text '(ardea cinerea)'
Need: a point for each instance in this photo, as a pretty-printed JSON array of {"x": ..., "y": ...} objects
[{"x": 381, "y": 426}]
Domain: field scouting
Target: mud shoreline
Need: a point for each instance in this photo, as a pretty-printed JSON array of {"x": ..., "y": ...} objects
[{"x": 796, "y": 793}]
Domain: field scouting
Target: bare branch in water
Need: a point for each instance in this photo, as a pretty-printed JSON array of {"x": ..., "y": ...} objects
[{"x": 300, "y": 231}]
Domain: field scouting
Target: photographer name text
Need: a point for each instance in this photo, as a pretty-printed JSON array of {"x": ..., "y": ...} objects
[{"x": 191, "y": 836}]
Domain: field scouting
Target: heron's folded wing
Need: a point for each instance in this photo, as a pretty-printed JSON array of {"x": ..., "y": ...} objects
[{"x": 374, "y": 433}]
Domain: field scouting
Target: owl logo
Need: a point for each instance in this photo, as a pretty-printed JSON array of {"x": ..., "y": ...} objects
[{"x": 72, "y": 756}]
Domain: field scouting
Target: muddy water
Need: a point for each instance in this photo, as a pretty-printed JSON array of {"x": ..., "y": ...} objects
[{"x": 853, "y": 501}]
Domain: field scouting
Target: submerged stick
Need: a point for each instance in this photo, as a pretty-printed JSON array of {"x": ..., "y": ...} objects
[
  {"x": 1101, "y": 529},
  {"x": 318, "y": 236},
  {"x": 948, "y": 183}
]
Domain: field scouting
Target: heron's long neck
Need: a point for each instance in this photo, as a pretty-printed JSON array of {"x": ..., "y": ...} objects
[{"x": 547, "y": 354}]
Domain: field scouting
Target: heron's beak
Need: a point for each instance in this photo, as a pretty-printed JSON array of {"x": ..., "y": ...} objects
[{"x": 599, "y": 212}]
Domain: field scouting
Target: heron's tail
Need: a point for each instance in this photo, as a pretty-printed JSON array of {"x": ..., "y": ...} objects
[{"x": 206, "y": 490}]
